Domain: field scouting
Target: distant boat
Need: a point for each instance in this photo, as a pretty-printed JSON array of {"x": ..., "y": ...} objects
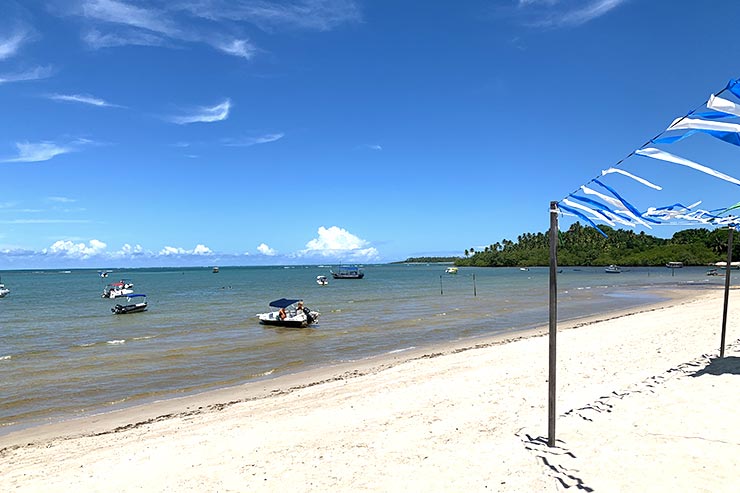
[
  {"x": 451, "y": 270},
  {"x": 525, "y": 269},
  {"x": 3, "y": 290},
  {"x": 348, "y": 272},
  {"x": 322, "y": 280},
  {"x": 723, "y": 265},
  {"x": 613, "y": 269},
  {"x": 118, "y": 289},
  {"x": 215, "y": 270},
  {"x": 712, "y": 272},
  {"x": 674, "y": 265},
  {"x": 136, "y": 303}
]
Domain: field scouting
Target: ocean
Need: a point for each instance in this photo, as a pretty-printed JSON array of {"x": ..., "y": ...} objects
[{"x": 63, "y": 354}]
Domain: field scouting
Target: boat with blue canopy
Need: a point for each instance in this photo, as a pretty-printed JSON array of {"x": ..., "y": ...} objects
[
  {"x": 289, "y": 313},
  {"x": 136, "y": 303},
  {"x": 348, "y": 272}
]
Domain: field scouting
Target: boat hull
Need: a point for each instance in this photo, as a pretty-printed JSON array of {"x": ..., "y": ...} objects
[{"x": 126, "y": 309}]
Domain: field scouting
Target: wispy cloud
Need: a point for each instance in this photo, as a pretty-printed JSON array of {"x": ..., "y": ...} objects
[
  {"x": 46, "y": 221},
  {"x": 61, "y": 200},
  {"x": 564, "y": 13},
  {"x": 204, "y": 114},
  {"x": 32, "y": 152},
  {"x": 97, "y": 40},
  {"x": 238, "y": 47},
  {"x": 321, "y": 15},
  {"x": 31, "y": 74},
  {"x": 130, "y": 15},
  {"x": 250, "y": 141},
  {"x": 198, "y": 250},
  {"x": 9, "y": 46},
  {"x": 81, "y": 98}
]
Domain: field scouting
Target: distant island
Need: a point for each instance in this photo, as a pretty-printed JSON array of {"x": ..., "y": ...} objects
[
  {"x": 428, "y": 260},
  {"x": 584, "y": 246}
]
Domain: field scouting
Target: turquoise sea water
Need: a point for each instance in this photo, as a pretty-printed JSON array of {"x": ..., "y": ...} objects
[{"x": 63, "y": 354}]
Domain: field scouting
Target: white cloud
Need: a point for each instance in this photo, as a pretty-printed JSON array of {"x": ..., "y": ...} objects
[
  {"x": 63, "y": 200},
  {"x": 205, "y": 114},
  {"x": 339, "y": 243},
  {"x": 130, "y": 15},
  {"x": 565, "y": 13},
  {"x": 237, "y": 47},
  {"x": 76, "y": 250},
  {"x": 321, "y": 15},
  {"x": 96, "y": 40},
  {"x": 202, "y": 250},
  {"x": 198, "y": 250},
  {"x": 266, "y": 250},
  {"x": 250, "y": 141},
  {"x": 32, "y": 152},
  {"x": 10, "y": 46},
  {"x": 80, "y": 98},
  {"x": 31, "y": 74}
]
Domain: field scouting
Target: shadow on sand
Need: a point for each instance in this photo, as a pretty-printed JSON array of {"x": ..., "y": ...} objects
[{"x": 720, "y": 366}]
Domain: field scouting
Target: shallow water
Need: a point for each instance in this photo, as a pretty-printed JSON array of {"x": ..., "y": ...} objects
[{"x": 63, "y": 354}]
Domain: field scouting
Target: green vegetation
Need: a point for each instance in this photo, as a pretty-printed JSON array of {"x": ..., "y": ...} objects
[
  {"x": 583, "y": 245},
  {"x": 428, "y": 260}
]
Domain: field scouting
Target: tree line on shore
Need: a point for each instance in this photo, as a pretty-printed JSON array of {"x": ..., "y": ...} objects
[{"x": 583, "y": 246}]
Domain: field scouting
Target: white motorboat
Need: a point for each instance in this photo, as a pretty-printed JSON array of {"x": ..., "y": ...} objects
[
  {"x": 613, "y": 269},
  {"x": 118, "y": 289},
  {"x": 3, "y": 290},
  {"x": 451, "y": 270},
  {"x": 290, "y": 313},
  {"x": 322, "y": 280}
]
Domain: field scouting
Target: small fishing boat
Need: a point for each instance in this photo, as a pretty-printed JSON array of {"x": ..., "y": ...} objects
[
  {"x": 613, "y": 269},
  {"x": 3, "y": 290},
  {"x": 674, "y": 265},
  {"x": 289, "y": 313},
  {"x": 215, "y": 270},
  {"x": 322, "y": 280},
  {"x": 118, "y": 289},
  {"x": 451, "y": 270},
  {"x": 348, "y": 272},
  {"x": 713, "y": 272},
  {"x": 136, "y": 303}
]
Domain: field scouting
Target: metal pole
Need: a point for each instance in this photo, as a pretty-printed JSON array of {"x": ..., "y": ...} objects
[
  {"x": 440, "y": 285},
  {"x": 727, "y": 293},
  {"x": 553, "y": 322},
  {"x": 475, "y": 290}
]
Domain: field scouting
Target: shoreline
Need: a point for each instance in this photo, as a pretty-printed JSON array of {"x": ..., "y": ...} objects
[
  {"x": 644, "y": 404},
  {"x": 142, "y": 413}
]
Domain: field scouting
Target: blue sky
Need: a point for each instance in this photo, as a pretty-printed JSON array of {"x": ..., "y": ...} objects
[{"x": 215, "y": 132}]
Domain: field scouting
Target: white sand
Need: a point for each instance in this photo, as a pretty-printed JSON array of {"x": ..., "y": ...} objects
[{"x": 643, "y": 403}]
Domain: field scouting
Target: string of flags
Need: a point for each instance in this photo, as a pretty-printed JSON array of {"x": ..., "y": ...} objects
[{"x": 598, "y": 202}]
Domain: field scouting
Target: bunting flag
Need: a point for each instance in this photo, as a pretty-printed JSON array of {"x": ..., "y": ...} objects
[
  {"x": 654, "y": 153},
  {"x": 611, "y": 207},
  {"x": 630, "y": 175},
  {"x": 723, "y": 106}
]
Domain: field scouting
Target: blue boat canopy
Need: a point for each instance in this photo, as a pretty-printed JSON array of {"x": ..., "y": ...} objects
[
  {"x": 136, "y": 296},
  {"x": 283, "y": 303}
]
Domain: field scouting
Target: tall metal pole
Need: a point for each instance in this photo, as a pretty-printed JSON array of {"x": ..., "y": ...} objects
[
  {"x": 553, "y": 322},
  {"x": 727, "y": 293}
]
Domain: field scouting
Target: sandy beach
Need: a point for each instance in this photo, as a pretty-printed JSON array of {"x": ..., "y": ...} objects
[{"x": 644, "y": 404}]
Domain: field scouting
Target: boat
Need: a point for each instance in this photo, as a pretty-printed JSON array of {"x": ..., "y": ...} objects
[
  {"x": 674, "y": 265},
  {"x": 348, "y": 272},
  {"x": 322, "y": 280},
  {"x": 3, "y": 290},
  {"x": 723, "y": 265},
  {"x": 289, "y": 313},
  {"x": 136, "y": 303},
  {"x": 451, "y": 270},
  {"x": 118, "y": 289},
  {"x": 215, "y": 270},
  {"x": 713, "y": 272},
  {"x": 613, "y": 269},
  {"x": 525, "y": 269}
]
